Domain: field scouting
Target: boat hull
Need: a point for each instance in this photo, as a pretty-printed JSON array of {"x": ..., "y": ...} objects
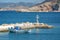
[{"x": 18, "y": 31}]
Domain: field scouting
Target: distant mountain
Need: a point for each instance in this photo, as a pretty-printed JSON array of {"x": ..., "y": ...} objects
[
  {"x": 48, "y": 0},
  {"x": 3, "y": 5},
  {"x": 45, "y": 2},
  {"x": 24, "y": 4}
]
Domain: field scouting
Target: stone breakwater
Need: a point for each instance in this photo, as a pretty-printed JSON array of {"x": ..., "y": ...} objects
[
  {"x": 24, "y": 26},
  {"x": 4, "y": 27}
]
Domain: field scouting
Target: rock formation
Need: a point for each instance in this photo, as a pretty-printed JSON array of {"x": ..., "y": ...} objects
[{"x": 47, "y": 6}]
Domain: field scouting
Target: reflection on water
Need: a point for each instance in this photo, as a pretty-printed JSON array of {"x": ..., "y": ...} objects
[
  {"x": 4, "y": 36},
  {"x": 33, "y": 36}
]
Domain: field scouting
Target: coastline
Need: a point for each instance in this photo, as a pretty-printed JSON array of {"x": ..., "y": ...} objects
[{"x": 41, "y": 7}]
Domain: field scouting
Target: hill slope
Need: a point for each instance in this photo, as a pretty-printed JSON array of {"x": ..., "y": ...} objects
[{"x": 46, "y": 6}]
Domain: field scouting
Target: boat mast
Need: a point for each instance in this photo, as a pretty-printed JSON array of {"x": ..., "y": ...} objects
[{"x": 37, "y": 18}]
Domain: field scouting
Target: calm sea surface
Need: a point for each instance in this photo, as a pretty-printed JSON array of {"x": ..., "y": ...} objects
[{"x": 51, "y": 18}]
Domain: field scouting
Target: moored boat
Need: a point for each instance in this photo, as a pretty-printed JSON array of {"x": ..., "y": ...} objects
[{"x": 17, "y": 29}]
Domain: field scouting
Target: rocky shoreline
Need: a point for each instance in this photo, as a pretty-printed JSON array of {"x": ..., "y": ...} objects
[{"x": 44, "y": 7}]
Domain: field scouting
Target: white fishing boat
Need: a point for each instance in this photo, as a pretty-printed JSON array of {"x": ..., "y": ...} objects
[{"x": 17, "y": 30}]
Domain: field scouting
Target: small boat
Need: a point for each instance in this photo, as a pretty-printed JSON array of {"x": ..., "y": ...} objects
[{"x": 17, "y": 29}]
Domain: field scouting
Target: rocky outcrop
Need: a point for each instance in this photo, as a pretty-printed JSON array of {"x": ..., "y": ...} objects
[
  {"x": 42, "y": 7},
  {"x": 48, "y": 6}
]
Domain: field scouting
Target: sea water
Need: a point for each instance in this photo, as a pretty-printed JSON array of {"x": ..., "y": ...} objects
[{"x": 51, "y": 18}]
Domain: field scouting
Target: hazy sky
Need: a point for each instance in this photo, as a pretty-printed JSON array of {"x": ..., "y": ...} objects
[{"x": 36, "y": 1}]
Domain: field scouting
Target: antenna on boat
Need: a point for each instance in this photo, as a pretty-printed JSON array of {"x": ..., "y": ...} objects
[{"x": 37, "y": 18}]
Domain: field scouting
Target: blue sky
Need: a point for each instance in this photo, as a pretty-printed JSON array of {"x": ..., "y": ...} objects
[{"x": 36, "y": 1}]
